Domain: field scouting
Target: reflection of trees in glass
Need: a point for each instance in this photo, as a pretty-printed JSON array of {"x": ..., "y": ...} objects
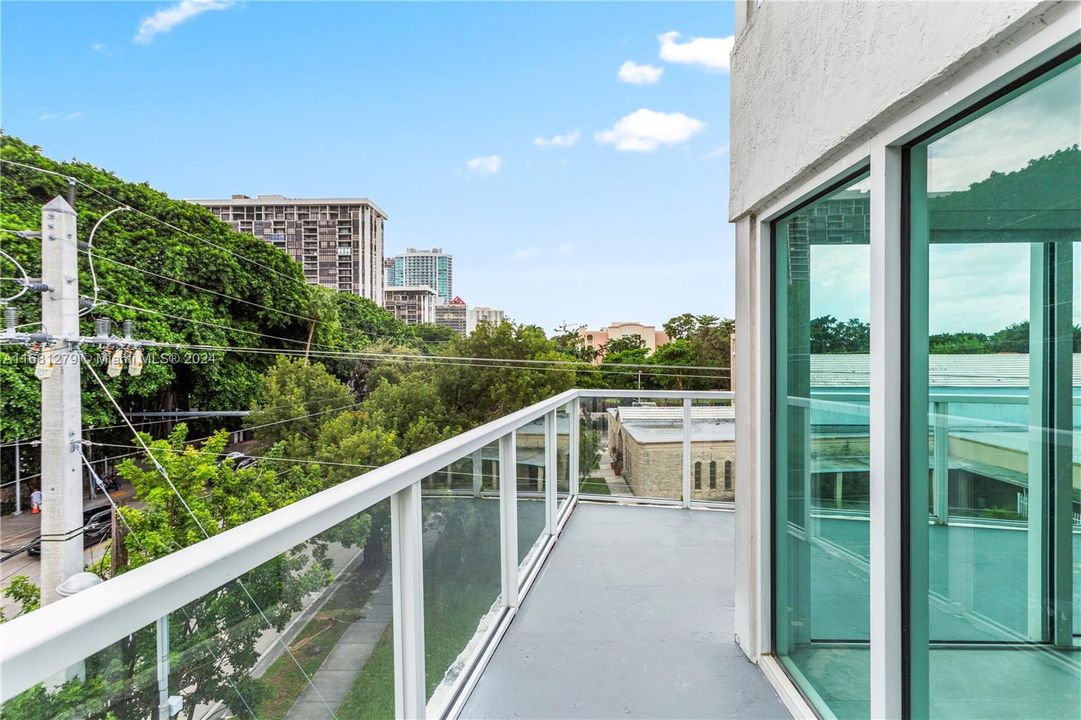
[{"x": 832, "y": 336}]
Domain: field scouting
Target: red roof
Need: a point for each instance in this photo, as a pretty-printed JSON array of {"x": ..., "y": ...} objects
[{"x": 456, "y": 301}]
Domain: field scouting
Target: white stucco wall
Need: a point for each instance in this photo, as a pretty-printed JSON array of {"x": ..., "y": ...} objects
[{"x": 811, "y": 81}]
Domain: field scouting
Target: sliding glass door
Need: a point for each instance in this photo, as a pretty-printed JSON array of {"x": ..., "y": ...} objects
[
  {"x": 821, "y": 259},
  {"x": 993, "y": 458}
]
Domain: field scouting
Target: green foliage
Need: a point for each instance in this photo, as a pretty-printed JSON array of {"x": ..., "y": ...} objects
[
  {"x": 475, "y": 393},
  {"x": 829, "y": 336},
  {"x": 291, "y": 390},
  {"x": 267, "y": 296},
  {"x": 24, "y": 592},
  {"x": 624, "y": 344}
]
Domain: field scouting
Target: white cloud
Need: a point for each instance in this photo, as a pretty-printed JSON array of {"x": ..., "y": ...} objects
[
  {"x": 646, "y": 130},
  {"x": 99, "y": 47},
  {"x": 486, "y": 165},
  {"x": 532, "y": 252},
  {"x": 51, "y": 116},
  {"x": 719, "y": 152},
  {"x": 711, "y": 53},
  {"x": 564, "y": 140},
  {"x": 168, "y": 18},
  {"x": 635, "y": 74},
  {"x": 527, "y": 253}
]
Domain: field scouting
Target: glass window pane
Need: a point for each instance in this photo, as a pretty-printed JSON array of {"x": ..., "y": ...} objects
[
  {"x": 462, "y": 572},
  {"x": 713, "y": 444},
  {"x": 529, "y": 449},
  {"x": 639, "y": 450},
  {"x": 821, "y": 533},
  {"x": 320, "y": 611},
  {"x": 563, "y": 444},
  {"x": 996, "y": 218}
]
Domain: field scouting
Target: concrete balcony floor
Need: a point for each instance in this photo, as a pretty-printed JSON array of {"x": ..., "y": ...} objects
[{"x": 631, "y": 617}]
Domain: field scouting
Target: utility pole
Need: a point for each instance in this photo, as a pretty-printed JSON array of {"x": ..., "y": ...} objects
[{"x": 61, "y": 406}]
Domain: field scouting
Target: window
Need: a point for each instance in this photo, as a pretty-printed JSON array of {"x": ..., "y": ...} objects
[
  {"x": 992, "y": 448},
  {"x": 728, "y": 475},
  {"x": 821, "y": 300},
  {"x": 712, "y": 474},
  {"x": 698, "y": 476}
]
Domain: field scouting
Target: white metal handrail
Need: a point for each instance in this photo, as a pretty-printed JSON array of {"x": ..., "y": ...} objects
[{"x": 43, "y": 643}]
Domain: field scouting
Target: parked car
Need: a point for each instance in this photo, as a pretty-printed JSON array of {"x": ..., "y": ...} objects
[{"x": 97, "y": 527}]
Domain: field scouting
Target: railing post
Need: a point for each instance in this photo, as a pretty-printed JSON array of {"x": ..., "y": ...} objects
[
  {"x": 686, "y": 452},
  {"x": 163, "y": 668},
  {"x": 407, "y": 557},
  {"x": 573, "y": 446},
  {"x": 941, "y": 475},
  {"x": 550, "y": 472},
  {"x": 478, "y": 473},
  {"x": 508, "y": 510}
]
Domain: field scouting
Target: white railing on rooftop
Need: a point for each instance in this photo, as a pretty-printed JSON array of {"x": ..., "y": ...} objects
[{"x": 41, "y": 646}]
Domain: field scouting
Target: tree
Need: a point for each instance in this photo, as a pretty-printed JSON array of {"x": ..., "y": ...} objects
[
  {"x": 296, "y": 399},
  {"x": 622, "y": 344},
  {"x": 681, "y": 327},
  {"x": 188, "y": 492}
]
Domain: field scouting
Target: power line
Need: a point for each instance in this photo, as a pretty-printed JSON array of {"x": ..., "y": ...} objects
[
  {"x": 169, "y": 225},
  {"x": 203, "y": 530}
]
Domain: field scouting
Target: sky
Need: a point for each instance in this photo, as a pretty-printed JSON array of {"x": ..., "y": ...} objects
[{"x": 571, "y": 156}]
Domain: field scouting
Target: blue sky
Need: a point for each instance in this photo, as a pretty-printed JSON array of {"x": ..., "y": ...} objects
[{"x": 598, "y": 221}]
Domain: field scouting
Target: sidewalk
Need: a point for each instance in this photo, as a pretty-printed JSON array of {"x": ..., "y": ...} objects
[{"x": 340, "y": 668}]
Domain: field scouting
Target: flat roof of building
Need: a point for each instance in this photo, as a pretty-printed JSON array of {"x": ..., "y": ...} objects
[
  {"x": 282, "y": 200},
  {"x": 408, "y": 288},
  {"x": 982, "y": 371}
]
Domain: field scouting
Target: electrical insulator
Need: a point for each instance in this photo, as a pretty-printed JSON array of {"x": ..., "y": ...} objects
[
  {"x": 135, "y": 364},
  {"x": 116, "y": 365}
]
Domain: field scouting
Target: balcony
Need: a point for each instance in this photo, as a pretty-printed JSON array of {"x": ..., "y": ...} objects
[{"x": 572, "y": 559}]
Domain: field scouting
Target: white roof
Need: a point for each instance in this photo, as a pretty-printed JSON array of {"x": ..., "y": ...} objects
[{"x": 991, "y": 370}]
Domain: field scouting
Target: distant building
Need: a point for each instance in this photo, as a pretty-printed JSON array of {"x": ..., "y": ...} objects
[
  {"x": 597, "y": 339},
  {"x": 479, "y": 314},
  {"x": 338, "y": 241},
  {"x": 454, "y": 315},
  {"x": 433, "y": 268},
  {"x": 646, "y": 447},
  {"x": 413, "y": 305}
]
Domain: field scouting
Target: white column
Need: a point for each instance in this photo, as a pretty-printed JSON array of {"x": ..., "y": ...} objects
[
  {"x": 574, "y": 446},
  {"x": 61, "y": 409},
  {"x": 550, "y": 480},
  {"x": 687, "y": 452},
  {"x": 407, "y": 557},
  {"x": 885, "y": 441},
  {"x": 163, "y": 667},
  {"x": 478, "y": 473},
  {"x": 941, "y": 475},
  {"x": 508, "y": 510}
]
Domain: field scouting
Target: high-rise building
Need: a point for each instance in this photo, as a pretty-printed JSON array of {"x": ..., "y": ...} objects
[
  {"x": 338, "y": 241},
  {"x": 454, "y": 315},
  {"x": 433, "y": 268},
  {"x": 479, "y": 314},
  {"x": 412, "y": 304}
]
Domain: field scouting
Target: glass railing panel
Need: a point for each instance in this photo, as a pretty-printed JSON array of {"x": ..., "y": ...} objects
[
  {"x": 308, "y": 631},
  {"x": 462, "y": 574},
  {"x": 529, "y": 455},
  {"x": 713, "y": 451},
  {"x": 639, "y": 447},
  {"x": 564, "y": 428}
]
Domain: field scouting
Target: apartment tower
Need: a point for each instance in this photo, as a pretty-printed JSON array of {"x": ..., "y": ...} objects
[
  {"x": 338, "y": 241},
  {"x": 433, "y": 268}
]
